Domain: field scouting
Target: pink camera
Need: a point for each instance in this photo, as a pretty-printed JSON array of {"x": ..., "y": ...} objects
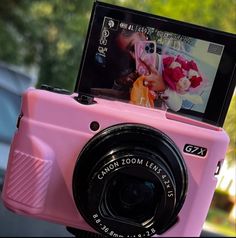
[{"x": 111, "y": 167}]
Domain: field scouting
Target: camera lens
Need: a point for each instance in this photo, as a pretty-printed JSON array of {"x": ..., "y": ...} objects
[
  {"x": 150, "y": 48},
  {"x": 130, "y": 180},
  {"x": 147, "y": 48},
  {"x": 131, "y": 197}
]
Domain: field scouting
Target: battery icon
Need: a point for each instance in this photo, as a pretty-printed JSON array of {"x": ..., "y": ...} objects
[{"x": 131, "y": 27}]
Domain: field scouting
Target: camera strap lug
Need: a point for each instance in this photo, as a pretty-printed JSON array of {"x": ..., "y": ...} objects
[{"x": 85, "y": 99}]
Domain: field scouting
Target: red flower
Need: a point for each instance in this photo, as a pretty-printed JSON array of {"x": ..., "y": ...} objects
[
  {"x": 195, "y": 81},
  {"x": 168, "y": 72},
  {"x": 192, "y": 65},
  {"x": 167, "y": 76},
  {"x": 167, "y": 61},
  {"x": 177, "y": 74},
  {"x": 184, "y": 63}
]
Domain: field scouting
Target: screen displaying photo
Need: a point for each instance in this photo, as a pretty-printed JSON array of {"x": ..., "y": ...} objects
[
  {"x": 157, "y": 62},
  {"x": 185, "y": 66}
]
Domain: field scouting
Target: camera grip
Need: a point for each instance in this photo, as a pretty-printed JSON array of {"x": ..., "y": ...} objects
[{"x": 28, "y": 180}]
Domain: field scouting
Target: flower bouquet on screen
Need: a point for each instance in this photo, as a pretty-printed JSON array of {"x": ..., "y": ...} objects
[{"x": 184, "y": 77}]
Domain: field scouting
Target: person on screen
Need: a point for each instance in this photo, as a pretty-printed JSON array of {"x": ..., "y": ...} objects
[
  {"x": 125, "y": 41},
  {"x": 170, "y": 81}
]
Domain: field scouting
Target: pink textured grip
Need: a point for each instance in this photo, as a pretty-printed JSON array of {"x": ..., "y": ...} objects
[{"x": 29, "y": 178}]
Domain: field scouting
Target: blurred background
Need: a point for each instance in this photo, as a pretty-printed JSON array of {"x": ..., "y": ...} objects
[{"x": 41, "y": 42}]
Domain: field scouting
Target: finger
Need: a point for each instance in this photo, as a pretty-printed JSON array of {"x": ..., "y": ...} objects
[
  {"x": 132, "y": 54},
  {"x": 150, "y": 67},
  {"x": 150, "y": 79},
  {"x": 153, "y": 93},
  {"x": 148, "y": 84}
]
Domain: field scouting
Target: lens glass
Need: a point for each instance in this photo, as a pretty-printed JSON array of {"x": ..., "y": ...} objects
[
  {"x": 132, "y": 198},
  {"x": 147, "y": 48}
]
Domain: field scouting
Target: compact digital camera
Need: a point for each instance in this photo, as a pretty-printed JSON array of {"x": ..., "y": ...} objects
[
  {"x": 96, "y": 162},
  {"x": 112, "y": 167}
]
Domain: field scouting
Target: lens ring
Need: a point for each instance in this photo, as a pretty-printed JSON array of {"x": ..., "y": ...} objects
[
  {"x": 101, "y": 147},
  {"x": 151, "y": 51},
  {"x": 157, "y": 175}
]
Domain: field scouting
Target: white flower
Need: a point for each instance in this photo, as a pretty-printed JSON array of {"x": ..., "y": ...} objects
[
  {"x": 175, "y": 64},
  {"x": 183, "y": 85},
  {"x": 192, "y": 73}
]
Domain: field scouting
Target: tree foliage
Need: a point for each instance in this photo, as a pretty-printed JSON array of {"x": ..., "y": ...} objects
[{"x": 49, "y": 34}]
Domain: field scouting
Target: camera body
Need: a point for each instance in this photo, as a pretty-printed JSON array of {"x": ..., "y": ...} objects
[{"x": 49, "y": 145}]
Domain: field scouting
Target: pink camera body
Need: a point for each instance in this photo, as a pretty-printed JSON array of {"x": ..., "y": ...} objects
[{"x": 54, "y": 128}]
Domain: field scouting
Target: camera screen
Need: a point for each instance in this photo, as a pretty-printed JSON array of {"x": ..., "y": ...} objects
[{"x": 157, "y": 62}]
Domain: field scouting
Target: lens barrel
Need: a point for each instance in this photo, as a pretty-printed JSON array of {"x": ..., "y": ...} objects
[{"x": 130, "y": 180}]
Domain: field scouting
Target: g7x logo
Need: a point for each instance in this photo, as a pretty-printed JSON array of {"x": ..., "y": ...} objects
[{"x": 195, "y": 150}]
